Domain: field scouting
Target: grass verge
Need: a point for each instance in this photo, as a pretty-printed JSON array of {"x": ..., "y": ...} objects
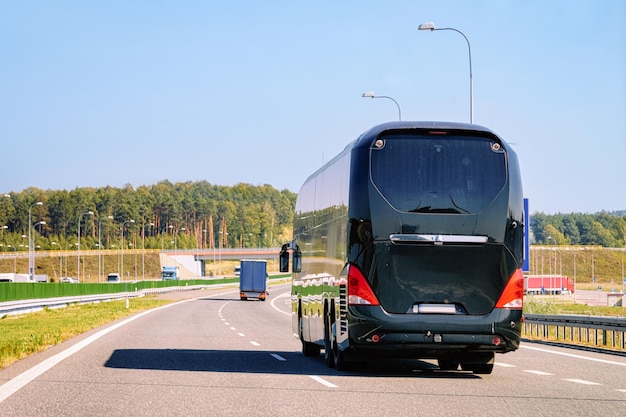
[
  {"x": 24, "y": 335},
  {"x": 549, "y": 308}
]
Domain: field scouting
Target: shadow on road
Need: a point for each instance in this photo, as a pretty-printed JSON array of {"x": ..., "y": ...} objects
[{"x": 253, "y": 361}]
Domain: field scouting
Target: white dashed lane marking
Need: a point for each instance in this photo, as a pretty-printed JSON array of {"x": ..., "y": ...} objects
[
  {"x": 323, "y": 381},
  {"x": 582, "y": 381},
  {"x": 531, "y": 371}
]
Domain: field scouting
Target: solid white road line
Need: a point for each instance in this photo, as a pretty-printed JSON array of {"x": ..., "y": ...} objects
[
  {"x": 279, "y": 296},
  {"x": 15, "y": 384},
  {"x": 573, "y": 356}
]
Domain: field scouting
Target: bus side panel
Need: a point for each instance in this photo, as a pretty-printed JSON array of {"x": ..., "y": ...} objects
[{"x": 320, "y": 230}]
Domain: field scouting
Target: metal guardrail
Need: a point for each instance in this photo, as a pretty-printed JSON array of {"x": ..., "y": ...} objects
[
  {"x": 30, "y": 306},
  {"x": 605, "y": 332},
  {"x": 8, "y": 308}
]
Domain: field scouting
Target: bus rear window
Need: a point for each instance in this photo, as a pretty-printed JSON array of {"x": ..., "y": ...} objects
[{"x": 423, "y": 173}]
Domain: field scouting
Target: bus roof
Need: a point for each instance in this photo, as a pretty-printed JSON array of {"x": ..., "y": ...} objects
[{"x": 378, "y": 129}]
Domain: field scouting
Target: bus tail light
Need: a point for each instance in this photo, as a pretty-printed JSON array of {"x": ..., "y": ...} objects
[
  {"x": 359, "y": 291},
  {"x": 513, "y": 295}
]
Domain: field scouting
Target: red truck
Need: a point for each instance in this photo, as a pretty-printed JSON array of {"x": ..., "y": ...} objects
[{"x": 548, "y": 284}]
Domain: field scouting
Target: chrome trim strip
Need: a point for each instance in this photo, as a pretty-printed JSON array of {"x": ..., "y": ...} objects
[{"x": 436, "y": 239}]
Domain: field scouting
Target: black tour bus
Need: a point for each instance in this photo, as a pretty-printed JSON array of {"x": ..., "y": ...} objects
[{"x": 409, "y": 244}]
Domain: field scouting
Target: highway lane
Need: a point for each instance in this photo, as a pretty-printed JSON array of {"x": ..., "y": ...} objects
[{"x": 216, "y": 355}]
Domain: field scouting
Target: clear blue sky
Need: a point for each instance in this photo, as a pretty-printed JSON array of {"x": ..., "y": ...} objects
[{"x": 97, "y": 93}]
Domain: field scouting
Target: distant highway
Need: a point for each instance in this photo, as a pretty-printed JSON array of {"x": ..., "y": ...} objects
[{"x": 216, "y": 355}]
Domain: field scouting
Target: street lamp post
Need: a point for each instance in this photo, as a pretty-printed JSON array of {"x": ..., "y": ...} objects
[
  {"x": 41, "y": 223},
  {"x": 60, "y": 259},
  {"x": 431, "y": 26},
  {"x": 122, "y": 248},
  {"x": 143, "y": 250},
  {"x": 223, "y": 237},
  {"x": 87, "y": 213},
  {"x": 100, "y": 265},
  {"x": 370, "y": 94},
  {"x": 31, "y": 257}
]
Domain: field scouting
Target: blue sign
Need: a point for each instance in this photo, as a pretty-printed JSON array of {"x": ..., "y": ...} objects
[{"x": 526, "y": 263}]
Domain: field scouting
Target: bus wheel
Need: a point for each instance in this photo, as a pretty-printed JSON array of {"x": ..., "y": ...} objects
[
  {"x": 329, "y": 354},
  {"x": 448, "y": 364},
  {"x": 341, "y": 364},
  {"x": 310, "y": 349},
  {"x": 339, "y": 357},
  {"x": 479, "y": 363}
]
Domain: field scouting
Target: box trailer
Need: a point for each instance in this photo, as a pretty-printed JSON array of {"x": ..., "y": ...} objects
[
  {"x": 253, "y": 279},
  {"x": 11, "y": 277},
  {"x": 548, "y": 284}
]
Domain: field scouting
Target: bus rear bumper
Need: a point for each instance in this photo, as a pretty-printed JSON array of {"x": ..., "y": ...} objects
[{"x": 431, "y": 335}]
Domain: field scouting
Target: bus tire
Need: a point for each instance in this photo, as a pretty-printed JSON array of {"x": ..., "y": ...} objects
[
  {"x": 310, "y": 349},
  {"x": 479, "y": 363},
  {"x": 329, "y": 354},
  {"x": 339, "y": 356},
  {"x": 448, "y": 363},
  {"x": 341, "y": 364}
]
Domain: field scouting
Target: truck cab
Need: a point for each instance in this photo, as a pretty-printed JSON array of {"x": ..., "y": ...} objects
[{"x": 170, "y": 273}]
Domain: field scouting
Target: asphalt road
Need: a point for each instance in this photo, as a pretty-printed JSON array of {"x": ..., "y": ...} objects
[{"x": 214, "y": 355}]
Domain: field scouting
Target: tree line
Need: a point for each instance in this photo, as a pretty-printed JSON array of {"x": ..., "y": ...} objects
[
  {"x": 166, "y": 215},
  {"x": 607, "y": 229},
  {"x": 201, "y": 215}
]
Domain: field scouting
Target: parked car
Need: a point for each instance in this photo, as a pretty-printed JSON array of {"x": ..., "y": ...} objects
[{"x": 68, "y": 280}]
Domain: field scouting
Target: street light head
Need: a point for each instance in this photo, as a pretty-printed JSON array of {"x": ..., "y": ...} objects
[
  {"x": 90, "y": 213},
  {"x": 39, "y": 203},
  {"x": 132, "y": 221},
  {"x": 426, "y": 26},
  {"x": 369, "y": 94}
]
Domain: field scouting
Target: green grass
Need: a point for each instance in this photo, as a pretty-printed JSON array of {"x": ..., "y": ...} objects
[{"x": 21, "y": 336}]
